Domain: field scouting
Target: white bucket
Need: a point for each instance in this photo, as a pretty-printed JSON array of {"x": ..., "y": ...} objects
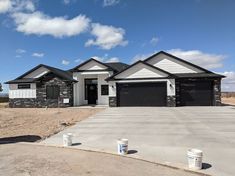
[
  {"x": 67, "y": 139},
  {"x": 195, "y": 159},
  {"x": 122, "y": 146}
]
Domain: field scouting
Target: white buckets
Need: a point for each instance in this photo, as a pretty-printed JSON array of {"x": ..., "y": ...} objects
[
  {"x": 122, "y": 146},
  {"x": 67, "y": 139},
  {"x": 195, "y": 159}
]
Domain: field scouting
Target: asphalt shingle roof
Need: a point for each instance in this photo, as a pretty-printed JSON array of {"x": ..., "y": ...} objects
[{"x": 118, "y": 66}]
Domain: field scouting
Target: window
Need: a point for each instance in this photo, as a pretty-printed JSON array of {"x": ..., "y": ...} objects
[
  {"x": 52, "y": 92},
  {"x": 104, "y": 90},
  {"x": 23, "y": 86}
]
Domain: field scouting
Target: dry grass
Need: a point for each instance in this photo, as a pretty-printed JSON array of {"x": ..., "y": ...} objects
[
  {"x": 229, "y": 101},
  {"x": 3, "y": 105},
  {"x": 40, "y": 122}
]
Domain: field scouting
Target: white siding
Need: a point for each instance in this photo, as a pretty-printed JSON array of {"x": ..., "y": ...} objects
[
  {"x": 92, "y": 65},
  {"x": 141, "y": 71},
  {"x": 37, "y": 73},
  {"x": 112, "y": 89},
  {"x": 79, "y": 92},
  {"x": 172, "y": 65},
  {"x": 14, "y": 92},
  {"x": 102, "y": 99}
]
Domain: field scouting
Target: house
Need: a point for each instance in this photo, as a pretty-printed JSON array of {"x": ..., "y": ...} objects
[{"x": 160, "y": 80}]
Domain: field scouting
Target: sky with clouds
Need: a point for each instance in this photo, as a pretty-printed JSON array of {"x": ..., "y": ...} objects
[{"x": 64, "y": 33}]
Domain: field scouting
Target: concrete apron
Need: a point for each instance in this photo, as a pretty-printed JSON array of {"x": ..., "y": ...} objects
[{"x": 162, "y": 140}]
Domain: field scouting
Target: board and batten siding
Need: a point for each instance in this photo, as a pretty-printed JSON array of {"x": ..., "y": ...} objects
[
  {"x": 37, "y": 73},
  {"x": 93, "y": 65},
  {"x": 14, "y": 92},
  {"x": 172, "y": 65},
  {"x": 141, "y": 71}
]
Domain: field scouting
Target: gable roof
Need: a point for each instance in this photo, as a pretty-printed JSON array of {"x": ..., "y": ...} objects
[
  {"x": 179, "y": 59},
  {"x": 130, "y": 66},
  {"x": 65, "y": 75},
  {"x": 89, "y": 60}
]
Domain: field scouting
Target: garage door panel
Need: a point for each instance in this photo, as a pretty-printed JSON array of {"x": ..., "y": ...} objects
[
  {"x": 196, "y": 93},
  {"x": 142, "y": 94}
]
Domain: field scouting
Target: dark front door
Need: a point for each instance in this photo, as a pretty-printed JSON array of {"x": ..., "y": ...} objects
[
  {"x": 196, "y": 93},
  {"x": 92, "y": 93},
  {"x": 142, "y": 94}
]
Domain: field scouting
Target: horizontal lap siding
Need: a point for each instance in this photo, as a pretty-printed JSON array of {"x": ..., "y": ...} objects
[{"x": 172, "y": 65}]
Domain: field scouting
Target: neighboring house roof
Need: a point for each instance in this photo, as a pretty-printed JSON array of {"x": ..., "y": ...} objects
[
  {"x": 65, "y": 75},
  {"x": 118, "y": 66},
  {"x": 181, "y": 60},
  {"x": 130, "y": 66}
]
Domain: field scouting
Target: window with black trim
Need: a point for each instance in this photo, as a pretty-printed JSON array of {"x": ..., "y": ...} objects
[
  {"x": 24, "y": 86},
  {"x": 104, "y": 89},
  {"x": 52, "y": 92}
]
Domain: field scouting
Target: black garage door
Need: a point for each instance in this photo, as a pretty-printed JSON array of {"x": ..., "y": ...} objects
[
  {"x": 142, "y": 94},
  {"x": 196, "y": 93}
]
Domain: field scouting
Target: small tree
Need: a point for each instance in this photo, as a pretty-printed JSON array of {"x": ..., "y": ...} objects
[{"x": 1, "y": 87}]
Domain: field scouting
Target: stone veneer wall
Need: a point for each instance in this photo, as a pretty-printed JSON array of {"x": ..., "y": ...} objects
[
  {"x": 171, "y": 101},
  {"x": 217, "y": 92},
  {"x": 66, "y": 91},
  {"x": 113, "y": 101},
  {"x": 216, "y": 89}
]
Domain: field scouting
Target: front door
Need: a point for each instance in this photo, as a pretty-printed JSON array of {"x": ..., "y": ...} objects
[{"x": 92, "y": 93}]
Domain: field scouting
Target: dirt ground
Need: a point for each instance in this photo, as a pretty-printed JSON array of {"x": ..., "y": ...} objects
[
  {"x": 3, "y": 105},
  {"x": 229, "y": 101},
  {"x": 32, "y": 124},
  {"x": 35, "y": 160}
]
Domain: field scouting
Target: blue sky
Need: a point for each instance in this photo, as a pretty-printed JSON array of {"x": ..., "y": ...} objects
[{"x": 63, "y": 33}]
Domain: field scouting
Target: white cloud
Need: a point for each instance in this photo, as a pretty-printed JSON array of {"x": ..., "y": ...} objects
[
  {"x": 22, "y": 5},
  {"x": 20, "y": 51},
  {"x": 38, "y": 54},
  {"x": 101, "y": 59},
  {"x": 18, "y": 56},
  {"x": 77, "y": 60},
  {"x": 206, "y": 60},
  {"x": 141, "y": 56},
  {"x": 228, "y": 83},
  {"x": 106, "y": 59},
  {"x": 113, "y": 59},
  {"x": 107, "y": 37},
  {"x": 110, "y": 2},
  {"x": 66, "y": 2},
  {"x": 16, "y": 6},
  {"x": 41, "y": 24},
  {"x": 154, "y": 40},
  {"x": 5, "y": 6},
  {"x": 65, "y": 62}
]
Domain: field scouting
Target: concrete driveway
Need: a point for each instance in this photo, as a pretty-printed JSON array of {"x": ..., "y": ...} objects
[{"x": 162, "y": 134}]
